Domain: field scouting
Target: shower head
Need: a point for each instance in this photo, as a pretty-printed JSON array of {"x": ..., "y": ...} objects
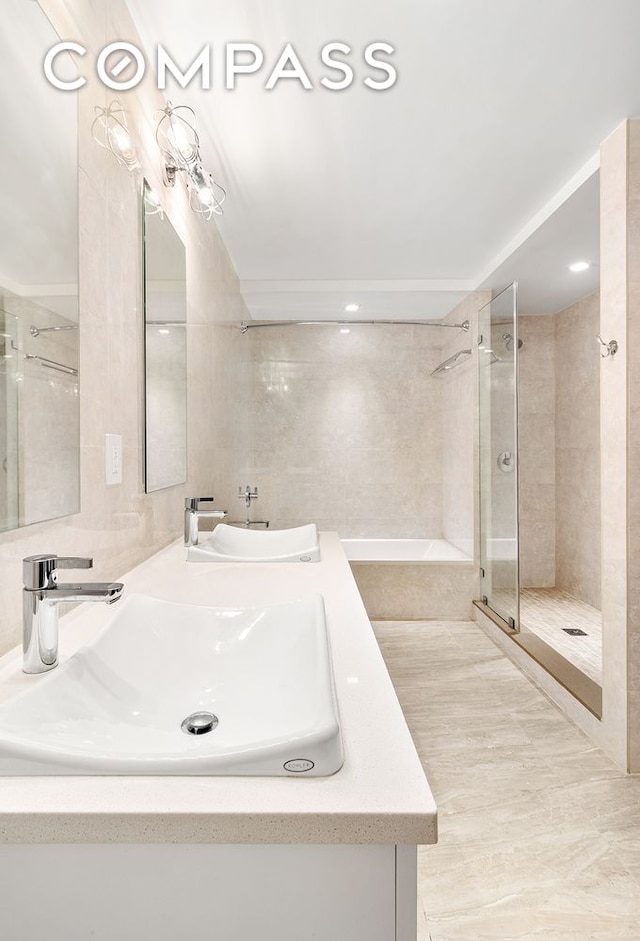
[{"x": 508, "y": 342}]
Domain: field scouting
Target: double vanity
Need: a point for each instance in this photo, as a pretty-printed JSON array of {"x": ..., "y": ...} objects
[{"x": 221, "y": 754}]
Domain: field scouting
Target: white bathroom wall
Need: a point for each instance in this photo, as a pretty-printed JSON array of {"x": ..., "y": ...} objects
[{"x": 120, "y": 526}]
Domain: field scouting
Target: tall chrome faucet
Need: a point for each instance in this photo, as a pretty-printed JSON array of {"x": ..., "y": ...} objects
[
  {"x": 248, "y": 495},
  {"x": 41, "y": 596},
  {"x": 193, "y": 513}
]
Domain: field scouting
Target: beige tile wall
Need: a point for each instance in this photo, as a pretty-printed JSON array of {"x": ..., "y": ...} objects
[
  {"x": 459, "y": 397},
  {"x": 347, "y": 429},
  {"x": 120, "y": 526},
  {"x": 577, "y": 450},
  {"x": 559, "y": 446},
  {"x": 619, "y": 730},
  {"x": 537, "y": 451},
  {"x": 416, "y": 592},
  {"x": 633, "y": 460},
  {"x": 615, "y": 730}
]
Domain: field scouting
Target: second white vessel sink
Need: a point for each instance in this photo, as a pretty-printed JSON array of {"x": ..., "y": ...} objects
[
  {"x": 181, "y": 689},
  {"x": 230, "y": 544}
]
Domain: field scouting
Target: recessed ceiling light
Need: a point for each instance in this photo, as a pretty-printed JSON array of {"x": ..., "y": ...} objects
[
  {"x": 164, "y": 331},
  {"x": 579, "y": 266},
  {"x": 352, "y": 308},
  {"x": 345, "y": 330}
]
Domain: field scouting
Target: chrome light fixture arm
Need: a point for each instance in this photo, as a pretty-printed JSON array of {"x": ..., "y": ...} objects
[
  {"x": 109, "y": 130},
  {"x": 179, "y": 143}
]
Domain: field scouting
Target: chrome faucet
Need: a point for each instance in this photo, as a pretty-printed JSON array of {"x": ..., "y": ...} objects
[
  {"x": 193, "y": 513},
  {"x": 41, "y": 596}
]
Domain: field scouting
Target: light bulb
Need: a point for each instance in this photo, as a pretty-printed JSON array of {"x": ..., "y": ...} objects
[
  {"x": 205, "y": 196},
  {"x": 352, "y": 308},
  {"x": 121, "y": 142},
  {"x": 181, "y": 141},
  {"x": 579, "y": 266}
]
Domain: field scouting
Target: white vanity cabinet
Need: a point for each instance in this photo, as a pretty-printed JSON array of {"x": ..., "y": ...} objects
[
  {"x": 209, "y": 893},
  {"x": 227, "y": 858}
]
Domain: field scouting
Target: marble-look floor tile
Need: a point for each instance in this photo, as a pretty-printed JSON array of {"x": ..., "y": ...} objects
[
  {"x": 539, "y": 831},
  {"x": 435, "y": 700},
  {"x": 423, "y": 927}
]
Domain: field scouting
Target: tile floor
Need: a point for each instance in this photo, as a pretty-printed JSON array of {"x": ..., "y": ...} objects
[
  {"x": 539, "y": 832},
  {"x": 546, "y": 611}
]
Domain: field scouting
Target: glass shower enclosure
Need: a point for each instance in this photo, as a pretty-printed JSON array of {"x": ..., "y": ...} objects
[{"x": 498, "y": 450}]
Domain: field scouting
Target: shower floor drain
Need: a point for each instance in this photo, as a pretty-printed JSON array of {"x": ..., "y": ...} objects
[{"x": 575, "y": 632}]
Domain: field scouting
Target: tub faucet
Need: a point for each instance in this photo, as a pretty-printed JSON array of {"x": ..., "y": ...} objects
[
  {"x": 248, "y": 495},
  {"x": 193, "y": 513},
  {"x": 41, "y": 596}
]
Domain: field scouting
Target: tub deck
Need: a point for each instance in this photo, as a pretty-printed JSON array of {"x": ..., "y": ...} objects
[{"x": 403, "y": 550}]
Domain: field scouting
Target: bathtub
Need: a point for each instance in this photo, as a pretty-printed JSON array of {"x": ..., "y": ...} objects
[{"x": 412, "y": 579}]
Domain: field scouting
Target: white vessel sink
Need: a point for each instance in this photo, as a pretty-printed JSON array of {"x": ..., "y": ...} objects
[
  {"x": 117, "y": 705},
  {"x": 230, "y": 544}
]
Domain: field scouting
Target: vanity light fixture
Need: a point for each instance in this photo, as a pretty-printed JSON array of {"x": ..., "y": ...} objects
[
  {"x": 579, "y": 266},
  {"x": 177, "y": 138},
  {"x": 109, "y": 129}
]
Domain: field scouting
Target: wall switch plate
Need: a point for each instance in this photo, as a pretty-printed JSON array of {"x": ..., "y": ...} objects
[{"x": 113, "y": 459}]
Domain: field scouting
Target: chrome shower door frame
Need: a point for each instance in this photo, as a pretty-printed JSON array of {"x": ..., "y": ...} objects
[{"x": 498, "y": 457}]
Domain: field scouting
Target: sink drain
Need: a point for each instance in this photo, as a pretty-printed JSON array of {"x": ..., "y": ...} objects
[{"x": 199, "y": 723}]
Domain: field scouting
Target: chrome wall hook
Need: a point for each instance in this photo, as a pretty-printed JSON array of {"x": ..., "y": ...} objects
[{"x": 611, "y": 348}]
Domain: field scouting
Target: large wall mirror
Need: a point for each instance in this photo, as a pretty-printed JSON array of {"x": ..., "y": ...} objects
[
  {"x": 39, "y": 402},
  {"x": 165, "y": 346}
]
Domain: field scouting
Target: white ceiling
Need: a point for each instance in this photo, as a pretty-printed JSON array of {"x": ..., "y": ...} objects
[
  {"x": 277, "y": 301},
  {"x": 498, "y": 104},
  {"x": 540, "y": 264}
]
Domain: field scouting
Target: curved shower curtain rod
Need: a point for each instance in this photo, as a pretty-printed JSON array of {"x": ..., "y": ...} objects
[{"x": 252, "y": 324}]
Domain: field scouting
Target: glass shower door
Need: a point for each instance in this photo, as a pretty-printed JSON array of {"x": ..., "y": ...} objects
[{"x": 497, "y": 368}]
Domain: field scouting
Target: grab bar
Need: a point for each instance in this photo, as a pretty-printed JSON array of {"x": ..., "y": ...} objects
[{"x": 52, "y": 364}]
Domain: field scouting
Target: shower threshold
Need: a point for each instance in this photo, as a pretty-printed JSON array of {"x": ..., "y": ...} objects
[
  {"x": 551, "y": 612},
  {"x": 583, "y": 687}
]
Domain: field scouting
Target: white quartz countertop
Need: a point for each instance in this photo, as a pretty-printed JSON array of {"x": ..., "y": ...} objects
[{"x": 379, "y": 796}]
